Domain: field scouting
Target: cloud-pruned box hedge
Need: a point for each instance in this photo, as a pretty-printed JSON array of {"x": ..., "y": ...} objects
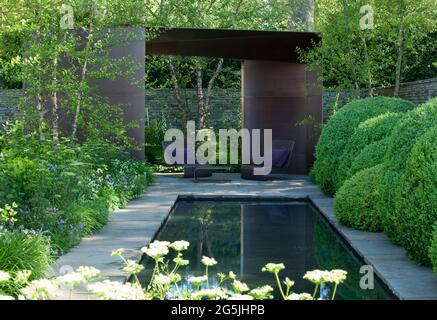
[
  {"x": 355, "y": 202},
  {"x": 370, "y": 156},
  {"x": 340, "y": 128},
  {"x": 371, "y": 130},
  {"x": 392, "y": 184},
  {"x": 416, "y": 198},
  {"x": 403, "y": 138}
]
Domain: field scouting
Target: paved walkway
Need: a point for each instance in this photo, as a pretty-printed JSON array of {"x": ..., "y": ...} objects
[{"x": 133, "y": 227}]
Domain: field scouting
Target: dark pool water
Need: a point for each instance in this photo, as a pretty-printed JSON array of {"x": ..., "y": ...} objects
[{"x": 244, "y": 236}]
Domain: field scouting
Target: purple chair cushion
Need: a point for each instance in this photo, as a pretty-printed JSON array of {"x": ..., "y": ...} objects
[{"x": 279, "y": 157}]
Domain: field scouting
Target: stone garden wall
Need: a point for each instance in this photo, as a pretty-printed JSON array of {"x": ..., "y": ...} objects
[{"x": 161, "y": 103}]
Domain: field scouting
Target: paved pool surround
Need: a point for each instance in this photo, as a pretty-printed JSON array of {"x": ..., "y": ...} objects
[{"x": 135, "y": 226}]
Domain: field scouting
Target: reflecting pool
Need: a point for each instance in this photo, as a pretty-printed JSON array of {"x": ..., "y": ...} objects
[{"x": 245, "y": 235}]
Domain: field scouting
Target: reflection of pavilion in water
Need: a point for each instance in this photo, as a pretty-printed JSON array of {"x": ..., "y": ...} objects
[{"x": 278, "y": 234}]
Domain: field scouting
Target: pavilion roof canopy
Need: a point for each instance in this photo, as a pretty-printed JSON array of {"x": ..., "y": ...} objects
[{"x": 234, "y": 44}]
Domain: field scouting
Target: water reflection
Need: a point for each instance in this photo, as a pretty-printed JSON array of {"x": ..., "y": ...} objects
[{"x": 243, "y": 237}]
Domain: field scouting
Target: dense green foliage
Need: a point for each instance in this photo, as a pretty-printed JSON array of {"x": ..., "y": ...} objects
[
  {"x": 370, "y": 156},
  {"x": 69, "y": 193},
  {"x": 369, "y": 131},
  {"x": 402, "y": 140},
  {"x": 24, "y": 250},
  {"x": 416, "y": 198},
  {"x": 340, "y": 128},
  {"x": 355, "y": 202}
]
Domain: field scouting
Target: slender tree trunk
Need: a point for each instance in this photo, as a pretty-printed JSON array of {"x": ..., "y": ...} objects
[
  {"x": 200, "y": 97},
  {"x": 40, "y": 108},
  {"x": 400, "y": 53},
  {"x": 176, "y": 91},
  {"x": 211, "y": 82},
  {"x": 301, "y": 16},
  {"x": 80, "y": 93},
  {"x": 55, "y": 116},
  {"x": 369, "y": 73}
]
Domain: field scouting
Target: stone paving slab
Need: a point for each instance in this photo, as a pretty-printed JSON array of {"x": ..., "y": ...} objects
[{"x": 133, "y": 227}]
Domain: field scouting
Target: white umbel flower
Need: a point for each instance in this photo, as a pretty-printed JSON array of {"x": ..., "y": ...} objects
[{"x": 209, "y": 262}]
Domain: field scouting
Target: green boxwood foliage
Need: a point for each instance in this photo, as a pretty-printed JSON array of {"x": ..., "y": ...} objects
[
  {"x": 416, "y": 198},
  {"x": 369, "y": 131},
  {"x": 370, "y": 156},
  {"x": 402, "y": 140},
  {"x": 355, "y": 202},
  {"x": 433, "y": 249},
  {"x": 340, "y": 128}
]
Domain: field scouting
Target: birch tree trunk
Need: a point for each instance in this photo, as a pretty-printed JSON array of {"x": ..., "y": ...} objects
[
  {"x": 55, "y": 115},
  {"x": 176, "y": 91}
]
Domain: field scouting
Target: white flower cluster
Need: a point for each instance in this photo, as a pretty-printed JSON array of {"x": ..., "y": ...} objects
[
  {"x": 113, "y": 290},
  {"x": 336, "y": 276},
  {"x": 299, "y": 296},
  {"x": 41, "y": 289},
  {"x": 209, "y": 262}
]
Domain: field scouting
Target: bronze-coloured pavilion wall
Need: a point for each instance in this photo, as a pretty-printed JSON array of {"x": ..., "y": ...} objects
[
  {"x": 278, "y": 95},
  {"x": 277, "y": 90}
]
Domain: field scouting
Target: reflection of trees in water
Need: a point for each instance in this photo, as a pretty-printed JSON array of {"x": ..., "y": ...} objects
[
  {"x": 212, "y": 229},
  {"x": 331, "y": 254}
]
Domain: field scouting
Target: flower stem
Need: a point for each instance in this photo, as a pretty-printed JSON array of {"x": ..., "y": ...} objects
[
  {"x": 280, "y": 286},
  {"x": 315, "y": 290},
  {"x": 334, "y": 292}
]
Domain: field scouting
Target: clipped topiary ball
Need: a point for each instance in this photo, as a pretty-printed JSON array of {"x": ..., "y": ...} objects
[
  {"x": 369, "y": 131},
  {"x": 402, "y": 140},
  {"x": 355, "y": 202},
  {"x": 433, "y": 250},
  {"x": 416, "y": 198},
  {"x": 340, "y": 128},
  {"x": 370, "y": 156}
]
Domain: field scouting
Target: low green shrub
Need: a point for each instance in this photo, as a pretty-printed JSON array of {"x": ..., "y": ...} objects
[
  {"x": 401, "y": 142},
  {"x": 433, "y": 249},
  {"x": 68, "y": 193},
  {"x": 24, "y": 250},
  {"x": 370, "y": 156},
  {"x": 355, "y": 202},
  {"x": 369, "y": 131},
  {"x": 340, "y": 128},
  {"x": 416, "y": 198}
]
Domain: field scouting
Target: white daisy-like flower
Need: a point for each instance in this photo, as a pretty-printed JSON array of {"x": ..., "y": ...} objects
[
  {"x": 41, "y": 289},
  {"x": 209, "y": 262},
  {"x": 179, "y": 245}
]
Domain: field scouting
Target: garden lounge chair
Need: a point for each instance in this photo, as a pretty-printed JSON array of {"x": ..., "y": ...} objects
[
  {"x": 190, "y": 170},
  {"x": 282, "y": 151}
]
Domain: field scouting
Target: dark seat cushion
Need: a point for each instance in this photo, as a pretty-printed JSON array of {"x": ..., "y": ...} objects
[{"x": 279, "y": 157}]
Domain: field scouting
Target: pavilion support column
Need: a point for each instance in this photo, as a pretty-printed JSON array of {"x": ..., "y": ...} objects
[
  {"x": 278, "y": 95},
  {"x": 124, "y": 92}
]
